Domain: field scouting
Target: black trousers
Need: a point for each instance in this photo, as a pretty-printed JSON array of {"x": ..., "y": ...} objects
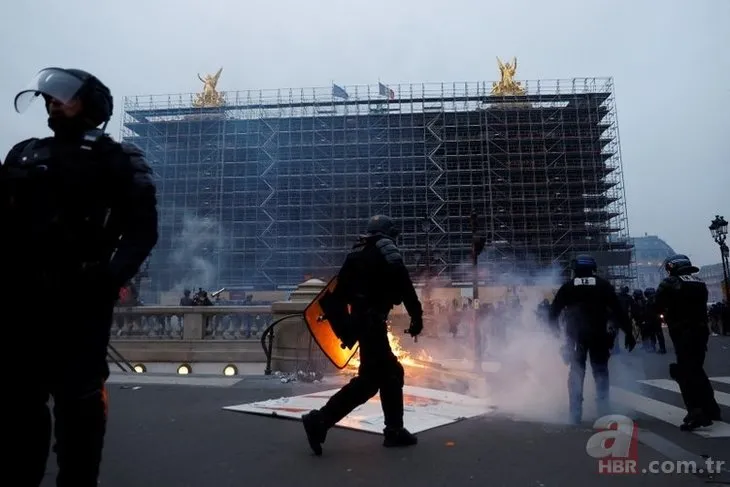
[
  {"x": 67, "y": 363},
  {"x": 597, "y": 349},
  {"x": 690, "y": 345},
  {"x": 379, "y": 371},
  {"x": 656, "y": 334}
]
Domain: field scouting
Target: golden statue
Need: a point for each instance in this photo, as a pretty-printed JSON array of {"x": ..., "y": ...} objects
[
  {"x": 210, "y": 97},
  {"x": 507, "y": 84}
]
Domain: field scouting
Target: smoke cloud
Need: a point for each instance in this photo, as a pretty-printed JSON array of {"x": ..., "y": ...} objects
[
  {"x": 197, "y": 249},
  {"x": 524, "y": 374}
]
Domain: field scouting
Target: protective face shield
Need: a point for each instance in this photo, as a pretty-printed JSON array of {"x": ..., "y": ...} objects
[{"x": 55, "y": 83}]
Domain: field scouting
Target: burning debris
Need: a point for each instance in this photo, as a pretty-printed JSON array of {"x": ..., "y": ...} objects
[
  {"x": 403, "y": 355},
  {"x": 299, "y": 376}
]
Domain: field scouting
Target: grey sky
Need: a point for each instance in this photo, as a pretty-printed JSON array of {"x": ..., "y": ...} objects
[{"x": 670, "y": 61}]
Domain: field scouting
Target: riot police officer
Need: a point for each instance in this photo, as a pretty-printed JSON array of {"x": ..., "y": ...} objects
[
  {"x": 626, "y": 303},
  {"x": 78, "y": 210},
  {"x": 638, "y": 315},
  {"x": 653, "y": 321},
  {"x": 372, "y": 280},
  {"x": 587, "y": 300},
  {"x": 682, "y": 298}
]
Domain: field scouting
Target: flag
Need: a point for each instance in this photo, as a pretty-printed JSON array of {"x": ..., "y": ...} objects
[
  {"x": 385, "y": 91},
  {"x": 339, "y": 92}
]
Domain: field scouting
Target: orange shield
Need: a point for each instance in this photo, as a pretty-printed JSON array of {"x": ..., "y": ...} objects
[{"x": 322, "y": 332}]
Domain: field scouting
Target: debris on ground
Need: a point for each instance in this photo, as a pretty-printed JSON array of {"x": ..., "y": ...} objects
[{"x": 299, "y": 376}]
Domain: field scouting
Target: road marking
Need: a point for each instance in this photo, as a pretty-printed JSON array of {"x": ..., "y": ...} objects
[
  {"x": 666, "y": 412},
  {"x": 670, "y": 385},
  {"x": 723, "y": 380}
]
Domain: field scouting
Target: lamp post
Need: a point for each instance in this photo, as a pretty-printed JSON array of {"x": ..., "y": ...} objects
[{"x": 718, "y": 229}]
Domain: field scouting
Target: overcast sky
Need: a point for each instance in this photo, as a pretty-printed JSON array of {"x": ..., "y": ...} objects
[{"x": 670, "y": 60}]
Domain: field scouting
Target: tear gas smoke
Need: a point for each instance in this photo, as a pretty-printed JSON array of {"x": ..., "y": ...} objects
[
  {"x": 524, "y": 374},
  {"x": 197, "y": 247}
]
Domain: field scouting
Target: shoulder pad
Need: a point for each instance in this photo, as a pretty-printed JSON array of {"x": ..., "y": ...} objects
[
  {"x": 136, "y": 158},
  {"x": 670, "y": 282},
  {"x": 131, "y": 149},
  {"x": 14, "y": 155},
  {"x": 389, "y": 251}
]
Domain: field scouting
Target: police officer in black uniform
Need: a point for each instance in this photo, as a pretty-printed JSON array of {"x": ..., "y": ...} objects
[
  {"x": 587, "y": 300},
  {"x": 78, "y": 211},
  {"x": 653, "y": 320},
  {"x": 626, "y": 303},
  {"x": 682, "y": 298},
  {"x": 372, "y": 280}
]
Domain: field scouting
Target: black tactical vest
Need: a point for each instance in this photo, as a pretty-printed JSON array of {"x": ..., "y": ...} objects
[{"x": 56, "y": 200}]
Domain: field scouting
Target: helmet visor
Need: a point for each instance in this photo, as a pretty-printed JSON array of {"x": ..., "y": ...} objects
[{"x": 52, "y": 82}]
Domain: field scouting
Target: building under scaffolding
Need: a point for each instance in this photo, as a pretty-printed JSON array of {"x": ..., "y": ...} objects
[{"x": 273, "y": 186}]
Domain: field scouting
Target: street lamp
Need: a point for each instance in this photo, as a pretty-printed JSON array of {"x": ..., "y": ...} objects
[{"x": 718, "y": 229}]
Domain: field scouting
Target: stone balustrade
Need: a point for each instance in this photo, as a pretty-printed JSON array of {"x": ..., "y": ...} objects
[
  {"x": 190, "y": 333},
  {"x": 230, "y": 334}
]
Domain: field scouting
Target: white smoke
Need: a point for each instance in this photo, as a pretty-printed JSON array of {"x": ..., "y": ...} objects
[
  {"x": 197, "y": 248},
  {"x": 530, "y": 382}
]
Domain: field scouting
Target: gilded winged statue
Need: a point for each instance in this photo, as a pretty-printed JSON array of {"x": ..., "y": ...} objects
[
  {"x": 210, "y": 97},
  {"x": 507, "y": 84}
]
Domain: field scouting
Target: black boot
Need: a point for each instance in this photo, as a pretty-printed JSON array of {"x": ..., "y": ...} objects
[
  {"x": 316, "y": 430},
  {"x": 398, "y": 437},
  {"x": 695, "y": 419}
]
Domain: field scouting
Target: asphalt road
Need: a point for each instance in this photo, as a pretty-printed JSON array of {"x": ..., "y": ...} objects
[{"x": 177, "y": 435}]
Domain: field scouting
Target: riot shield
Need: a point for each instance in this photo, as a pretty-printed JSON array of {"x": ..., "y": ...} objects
[{"x": 318, "y": 315}]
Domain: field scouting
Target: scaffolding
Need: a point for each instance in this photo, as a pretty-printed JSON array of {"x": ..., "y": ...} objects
[{"x": 281, "y": 182}]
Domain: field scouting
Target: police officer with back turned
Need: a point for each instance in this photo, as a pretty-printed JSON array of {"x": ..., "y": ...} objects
[
  {"x": 682, "y": 298},
  {"x": 78, "y": 210},
  {"x": 372, "y": 280},
  {"x": 588, "y": 300}
]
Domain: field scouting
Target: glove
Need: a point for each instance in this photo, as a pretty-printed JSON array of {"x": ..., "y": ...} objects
[
  {"x": 630, "y": 341},
  {"x": 416, "y": 327}
]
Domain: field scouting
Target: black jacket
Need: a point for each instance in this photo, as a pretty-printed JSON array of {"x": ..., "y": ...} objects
[
  {"x": 588, "y": 303},
  {"x": 374, "y": 278},
  {"x": 77, "y": 210},
  {"x": 683, "y": 300}
]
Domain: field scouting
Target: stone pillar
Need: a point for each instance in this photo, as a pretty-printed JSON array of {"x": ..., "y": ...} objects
[
  {"x": 194, "y": 324},
  {"x": 294, "y": 349}
]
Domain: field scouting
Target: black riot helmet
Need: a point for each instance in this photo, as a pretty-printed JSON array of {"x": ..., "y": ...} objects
[
  {"x": 584, "y": 266},
  {"x": 66, "y": 85},
  {"x": 382, "y": 225},
  {"x": 625, "y": 290},
  {"x": 638, "y": 294},
  {"x": 679, "y": 265},
  {"x": 650, "y": 291}
]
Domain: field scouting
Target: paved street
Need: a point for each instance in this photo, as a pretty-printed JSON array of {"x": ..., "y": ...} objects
[{"x": 177, "y": 435}]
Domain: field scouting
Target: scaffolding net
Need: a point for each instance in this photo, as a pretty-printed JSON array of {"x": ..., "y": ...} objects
[{"x": 273, "y": 186}]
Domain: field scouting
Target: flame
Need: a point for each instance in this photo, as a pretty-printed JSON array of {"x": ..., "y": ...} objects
[{"x": 403, "y": 355}]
